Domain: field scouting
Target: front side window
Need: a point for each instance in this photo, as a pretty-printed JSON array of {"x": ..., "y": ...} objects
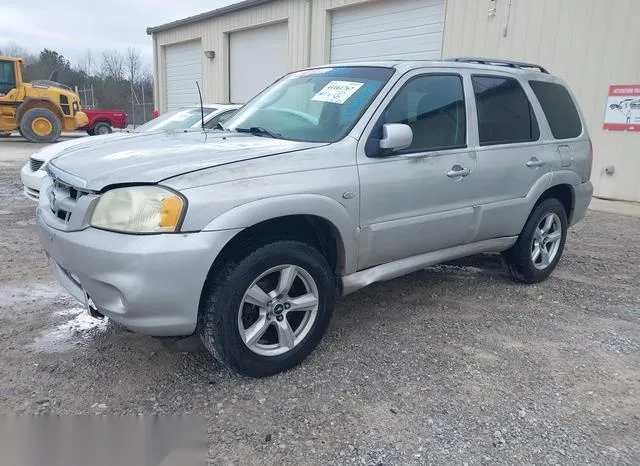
[
  {"x": 559, "y": 108},
  {"x": 318, "y": 105},
  {"x": 505, "y": 115},
  {"x": 434, "y": 107},
  {"x": 7, "y": 77}
]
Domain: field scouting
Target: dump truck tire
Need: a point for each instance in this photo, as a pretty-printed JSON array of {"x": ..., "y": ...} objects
[{"x": 40, "y": 125}]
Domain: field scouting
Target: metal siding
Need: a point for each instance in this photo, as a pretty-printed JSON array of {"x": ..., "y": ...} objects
[
  {"x": 405, "y": 29},
  {"x": 588, "y": 43}
]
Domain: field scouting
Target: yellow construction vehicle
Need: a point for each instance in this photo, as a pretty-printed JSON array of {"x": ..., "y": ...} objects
[{"x": 39, "y": 110}]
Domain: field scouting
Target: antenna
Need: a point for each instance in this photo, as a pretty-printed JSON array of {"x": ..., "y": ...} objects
[{"x": 201, "y": 106}]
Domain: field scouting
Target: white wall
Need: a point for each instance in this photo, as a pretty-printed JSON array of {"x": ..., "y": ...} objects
[{"x": 591, "y": 44}]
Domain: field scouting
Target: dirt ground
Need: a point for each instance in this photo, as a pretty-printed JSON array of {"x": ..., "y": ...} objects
[{"x": 455, "y": 364}]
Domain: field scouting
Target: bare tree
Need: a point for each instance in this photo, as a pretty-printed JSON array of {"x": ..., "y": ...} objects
[
  {"x": 14, "y": 50},
  {"x": 85, "y": 63},
  {"x": 134, "y": 65},
  {"x": 113, "y": 65}
]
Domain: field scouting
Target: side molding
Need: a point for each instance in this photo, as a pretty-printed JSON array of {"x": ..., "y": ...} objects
[{"x": 358, "y": 280}]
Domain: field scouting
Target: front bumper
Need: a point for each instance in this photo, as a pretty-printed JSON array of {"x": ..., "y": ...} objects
[
  {"x": 148, "y": 283},
  {"x": 80, "y": 120},
  {"x": 583, "y": 194},
  {"x": 32, "y": 181}
]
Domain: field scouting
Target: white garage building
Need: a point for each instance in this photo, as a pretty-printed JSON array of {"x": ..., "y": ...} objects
[{"x": 235, "y": 51}]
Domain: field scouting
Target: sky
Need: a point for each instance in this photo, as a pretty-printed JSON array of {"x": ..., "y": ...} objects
[{"x": 71, "y": 27}]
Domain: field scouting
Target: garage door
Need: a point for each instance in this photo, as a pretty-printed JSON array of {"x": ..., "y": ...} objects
[
  {"x": 183, "y": 67},
  {"x": 257, "y": 57},
  {"x": 404, "y": 29}
]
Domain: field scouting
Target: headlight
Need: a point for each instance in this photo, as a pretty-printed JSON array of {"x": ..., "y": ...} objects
[{"x": 139, "y": 209}]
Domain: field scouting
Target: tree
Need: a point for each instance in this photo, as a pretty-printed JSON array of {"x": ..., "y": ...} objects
[
  {"x": 85, "y": 64},
  {"x": 14, "y": 50},
  {"x": 134, "y": 64},
  {"x": 113, "y": 65}
]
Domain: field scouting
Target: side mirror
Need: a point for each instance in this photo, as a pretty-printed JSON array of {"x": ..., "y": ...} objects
[{"x": 396, "y": 137}]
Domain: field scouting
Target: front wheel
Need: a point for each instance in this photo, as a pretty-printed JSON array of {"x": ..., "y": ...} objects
[
  {"x": 264, "y": 313},
  {"x": 40, "y": 125},
  {"x": 540, "y": 245}
]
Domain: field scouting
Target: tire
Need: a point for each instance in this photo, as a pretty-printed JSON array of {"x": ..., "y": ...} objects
[
  {"x": 225, "y": 310},
  {"x": 90, "y": 132},
  {"x": 101, "y": 128},
  {"x": 543, "y": 237},
  {"x": 40, "y": 125}
]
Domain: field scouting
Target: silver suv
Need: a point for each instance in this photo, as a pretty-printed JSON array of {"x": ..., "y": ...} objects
[{"x": 331, "y": 179}]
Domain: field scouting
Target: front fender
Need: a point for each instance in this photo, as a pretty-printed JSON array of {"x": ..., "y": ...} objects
[
  {"x": 252, "y": 213},
  {"x": 31, "y": 102}
]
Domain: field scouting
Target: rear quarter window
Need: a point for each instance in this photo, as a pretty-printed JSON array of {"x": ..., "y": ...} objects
[{"x": 559, "y": 108}]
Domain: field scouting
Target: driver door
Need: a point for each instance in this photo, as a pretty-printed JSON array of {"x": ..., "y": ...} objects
[{"x": 417, "y": 200}]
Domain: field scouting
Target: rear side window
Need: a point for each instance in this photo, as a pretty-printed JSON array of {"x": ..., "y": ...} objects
[
  {"x": 559, "y": 108},
  {"x": 505, "y": 115}
]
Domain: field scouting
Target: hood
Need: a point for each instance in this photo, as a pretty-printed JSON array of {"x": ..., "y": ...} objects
[
  {"x": 153, "y": 157},
  {"x": 53, "y": 150}
]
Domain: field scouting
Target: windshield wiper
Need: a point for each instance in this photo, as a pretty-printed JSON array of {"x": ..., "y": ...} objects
[{"x": 259, "y": 131}]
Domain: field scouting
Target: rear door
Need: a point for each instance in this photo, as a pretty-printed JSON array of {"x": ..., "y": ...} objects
[{"x": 512, "y": 157}]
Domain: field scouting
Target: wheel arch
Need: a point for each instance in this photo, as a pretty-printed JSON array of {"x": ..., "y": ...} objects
[
  {"x": 102, "y": 120},
  {"x": 317, "y": 211},
  {"x": 36, "y": 102},
  {"x": 561, "y": 185},
  {"x": 321, "y": 224}
]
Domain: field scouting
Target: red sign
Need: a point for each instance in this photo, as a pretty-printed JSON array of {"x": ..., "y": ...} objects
[{"x": 623, "y": 108}]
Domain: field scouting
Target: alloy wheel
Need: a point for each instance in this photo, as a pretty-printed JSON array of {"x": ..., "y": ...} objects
[
  {"x": 546, "y": 241},
  {"x": 278, "y": 310}
]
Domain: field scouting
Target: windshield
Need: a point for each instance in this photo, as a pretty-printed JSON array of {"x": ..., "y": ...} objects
[
  {"x": 320, "y": 105},
  {"x": 176, "y": 119}
]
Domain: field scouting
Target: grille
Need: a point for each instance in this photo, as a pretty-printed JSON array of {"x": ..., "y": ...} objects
[
  {"x": 35, "y": 164},
  {"x": 63, "y": 198}
]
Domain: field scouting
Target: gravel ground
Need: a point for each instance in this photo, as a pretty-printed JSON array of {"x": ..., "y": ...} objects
[{"x": 451, "y": 365}]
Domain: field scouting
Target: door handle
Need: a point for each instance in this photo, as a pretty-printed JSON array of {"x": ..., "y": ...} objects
[
  {"x": 457, "y": 171},
  {"x": 534, "y": 162}
]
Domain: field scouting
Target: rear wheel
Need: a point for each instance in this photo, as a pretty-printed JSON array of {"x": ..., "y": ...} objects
[
  {"x": 265, "y": 312},
  {"x": 540, "y": 245},
  {"x": 101, "y": 128},
  {"x": 40, "y": 125}
]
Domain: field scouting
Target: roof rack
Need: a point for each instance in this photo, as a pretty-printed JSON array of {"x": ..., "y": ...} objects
[{"x": 497, "y": 62}]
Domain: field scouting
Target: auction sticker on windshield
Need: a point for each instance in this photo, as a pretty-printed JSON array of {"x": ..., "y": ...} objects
[{"x": 337, "y": 92}]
